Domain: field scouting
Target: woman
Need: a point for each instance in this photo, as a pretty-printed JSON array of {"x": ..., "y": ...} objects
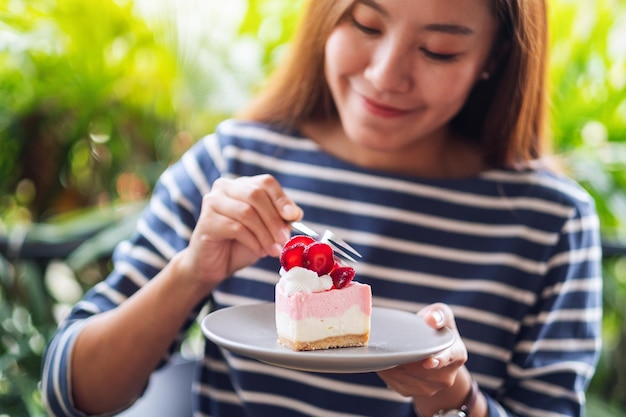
[{"x": 415, "y": 129}]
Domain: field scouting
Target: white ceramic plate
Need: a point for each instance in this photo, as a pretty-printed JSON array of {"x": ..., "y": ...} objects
[{"x": 396, "y": 337}]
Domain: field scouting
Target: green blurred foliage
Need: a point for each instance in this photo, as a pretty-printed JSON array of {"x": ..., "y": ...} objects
[
  {"x": 85, "y": 97},
  {"x": 588, "y": 76},
  {"x": 97, "y": 98}
]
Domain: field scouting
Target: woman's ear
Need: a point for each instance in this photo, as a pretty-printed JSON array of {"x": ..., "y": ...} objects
[{"x": 497, "y": 56}]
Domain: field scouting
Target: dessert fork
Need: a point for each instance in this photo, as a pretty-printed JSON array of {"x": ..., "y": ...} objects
[{"x": 338, "y": 244}]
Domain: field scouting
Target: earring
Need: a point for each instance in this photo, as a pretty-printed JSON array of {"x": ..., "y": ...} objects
[{"x": 485, "y": 75}]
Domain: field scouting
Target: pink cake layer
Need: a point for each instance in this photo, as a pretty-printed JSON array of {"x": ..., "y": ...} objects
[{"x": 331, "y": 303}]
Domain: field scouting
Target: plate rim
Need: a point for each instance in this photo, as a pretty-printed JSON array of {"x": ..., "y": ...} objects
[{"x": 312, "y": 361}]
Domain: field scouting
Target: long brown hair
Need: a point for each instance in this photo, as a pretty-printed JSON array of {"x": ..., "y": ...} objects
[{"x": 506, "y": 114}]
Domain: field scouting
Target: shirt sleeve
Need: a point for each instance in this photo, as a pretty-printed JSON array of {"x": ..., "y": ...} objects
[
  {"x": 163, "y": 230},
  {"x": 559, "y": 341}
]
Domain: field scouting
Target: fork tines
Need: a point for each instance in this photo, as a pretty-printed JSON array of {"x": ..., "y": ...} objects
[{"x": 339, "y": 246}]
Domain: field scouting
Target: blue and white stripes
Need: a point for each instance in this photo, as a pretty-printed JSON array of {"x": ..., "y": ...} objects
[{"x": 515, "y": 254}]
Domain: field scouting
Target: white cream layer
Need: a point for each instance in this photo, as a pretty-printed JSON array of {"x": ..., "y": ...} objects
[
  {"x": 299, "y": 279},
  {"x": 310, "y": 329}
]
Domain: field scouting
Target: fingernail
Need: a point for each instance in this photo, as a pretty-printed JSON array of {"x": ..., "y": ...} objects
[
  {"x": 290, "y": 211},
  {"x": 432, "y": 363},
  {"x": 438, "y": 317}
]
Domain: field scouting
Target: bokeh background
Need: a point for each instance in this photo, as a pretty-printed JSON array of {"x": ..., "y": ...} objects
[{"x": 98, "y": 97}]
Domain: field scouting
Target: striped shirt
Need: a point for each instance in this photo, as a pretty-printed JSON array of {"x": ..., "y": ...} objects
[{"x": 516, "y": 255}]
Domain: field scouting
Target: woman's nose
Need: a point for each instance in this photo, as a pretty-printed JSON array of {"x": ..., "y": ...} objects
[{"x": 390, "y": 69}]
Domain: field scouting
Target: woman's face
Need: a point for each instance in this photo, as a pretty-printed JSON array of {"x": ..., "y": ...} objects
[{"x": 399, "y": 70}]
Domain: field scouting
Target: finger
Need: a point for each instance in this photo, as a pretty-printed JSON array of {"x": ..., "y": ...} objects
[
  {"x": 432, "y": 363},
  {"x": 229, "y": 201},
  {"x": 217, "y": 223},
  {"x": 265, "y": 190},
  {"x": 452, "y": 357},
  {"x": 438, "y": 316},
  {"x": 287, "y": 208},
  {"x": 258, "y": 192},
  {"x": 252, "y": 203},
  {"x": 441, "y": 360}
]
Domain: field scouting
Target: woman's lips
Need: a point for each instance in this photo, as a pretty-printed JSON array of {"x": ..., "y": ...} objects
[{"x": 382, "y": 110}]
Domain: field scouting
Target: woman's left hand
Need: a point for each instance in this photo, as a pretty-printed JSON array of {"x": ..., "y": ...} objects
[{"x": 428, "y": 377}]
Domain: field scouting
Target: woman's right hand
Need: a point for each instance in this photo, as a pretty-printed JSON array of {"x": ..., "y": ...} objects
[{"x": 241, "y": 220}]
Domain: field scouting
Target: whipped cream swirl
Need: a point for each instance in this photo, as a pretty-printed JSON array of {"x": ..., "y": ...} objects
[{"x": 299, "y": 279}]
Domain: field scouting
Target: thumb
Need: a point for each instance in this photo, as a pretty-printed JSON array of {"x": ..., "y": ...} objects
[
  {"x": 289, "y": 211},
  {"x": 438, "y": 316}
]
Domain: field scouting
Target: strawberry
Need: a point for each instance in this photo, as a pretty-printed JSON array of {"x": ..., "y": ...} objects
[
  {"x": 318, "y": 257},
  {"x": 342, "y": 276},
  {"x": 292, "y": 251},
  {"x": 292, "y": 256},
  {"x": 304, "y": 239}
]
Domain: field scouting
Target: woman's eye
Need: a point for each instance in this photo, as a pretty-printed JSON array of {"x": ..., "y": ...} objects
[
  {"x": 439, "y": 57},
  {"x": 365, "y": 29}
]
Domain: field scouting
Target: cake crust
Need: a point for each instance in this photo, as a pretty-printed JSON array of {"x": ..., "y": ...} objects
[{"x": 350, "y": 340}]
